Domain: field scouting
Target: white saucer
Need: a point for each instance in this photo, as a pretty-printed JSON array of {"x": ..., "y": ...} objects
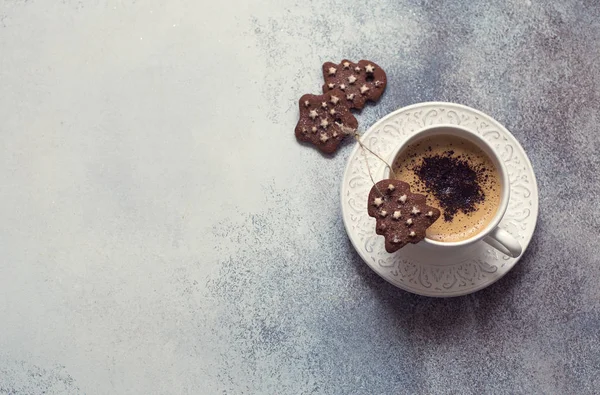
[{"x": 415, "y": 268}]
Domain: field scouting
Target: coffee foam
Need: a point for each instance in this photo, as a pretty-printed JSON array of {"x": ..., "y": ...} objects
[{"x": 463, "y": 225}]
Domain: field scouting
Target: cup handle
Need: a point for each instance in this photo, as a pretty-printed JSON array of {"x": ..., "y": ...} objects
[{"x": 504, "y": 242}]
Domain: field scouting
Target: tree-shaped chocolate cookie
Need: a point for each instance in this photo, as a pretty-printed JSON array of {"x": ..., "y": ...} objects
[
  {"x": 402, "y": 217},
  {"x": 325, "y": 120},
  {"x": 360, "y": 81}
]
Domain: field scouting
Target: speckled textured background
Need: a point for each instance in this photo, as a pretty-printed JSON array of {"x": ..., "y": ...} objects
[{"x": 162, "y": 232}]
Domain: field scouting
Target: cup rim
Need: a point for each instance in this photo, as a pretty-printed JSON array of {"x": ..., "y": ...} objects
[{"x": 489, "y": 150}]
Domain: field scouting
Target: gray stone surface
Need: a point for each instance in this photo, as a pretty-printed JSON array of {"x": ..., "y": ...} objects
[{"x": 161, "y": 231}]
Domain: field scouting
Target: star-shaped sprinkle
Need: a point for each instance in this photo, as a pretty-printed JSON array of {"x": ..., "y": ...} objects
[
  {"x": 334, "y": 99},
  {"x": 332, "y": 70},
  {"x": 313, "y": 114},
  {"x": 324, "y": 123},
  {"x": 402, "y": 199},
  {"x": 350, "y": 96},
  {"x": 409, "y": 222},
  {"x": 364, "y": 89},
  {"x": 332, "y": 111},
  {"x": 346, "y": 65},
  {"x": 331, "y": 85},
  {"x": 370, "y": 68},
  {"x": 343, "y": 86},
  {"x": 306, "y": 103},
  {"x": 415, "y": 211},
  {"x": 324, "y": 104},
  {"x": 324, "y": 137},
  {"x": 357, "y": 69},
  {"x": 351, "y": 79},
  {"x": 378, "y": 201},
  {"x": 412, "y": 233},
  {"x": 383, "y": 213},
  {"x": 397, "y": 214}
]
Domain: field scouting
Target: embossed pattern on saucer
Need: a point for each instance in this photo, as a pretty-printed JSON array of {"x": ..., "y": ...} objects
[{"x": 416, "y": 268}]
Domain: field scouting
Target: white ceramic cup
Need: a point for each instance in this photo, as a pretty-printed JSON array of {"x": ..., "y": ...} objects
[{"x": 492, "y": 234}]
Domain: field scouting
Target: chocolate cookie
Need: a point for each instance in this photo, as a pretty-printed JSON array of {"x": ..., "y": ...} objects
[
  {"x": 360, "y": 81},
  {"x": 325, "y": 120},
  {"x": 402, "y": 217}
]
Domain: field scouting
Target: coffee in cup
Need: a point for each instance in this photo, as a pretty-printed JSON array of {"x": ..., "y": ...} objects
[{"x": 458, "y": 178}]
